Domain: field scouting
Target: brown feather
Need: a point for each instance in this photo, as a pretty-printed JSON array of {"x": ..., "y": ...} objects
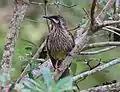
[{"x": 59, "y": 41}]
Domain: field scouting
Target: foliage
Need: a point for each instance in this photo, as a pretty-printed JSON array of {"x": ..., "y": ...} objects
[{"x": 48, "y": 85}]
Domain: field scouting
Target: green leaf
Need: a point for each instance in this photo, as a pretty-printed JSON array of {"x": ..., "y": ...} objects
[
  {"x": 64, "y": 84},
  {"x": 40, "y": 85},
  {"x": 26, "y": 90},
  {"x": 29, "y": 72},
  {"x": 19, "y": 86},
  {"x": 33, "y": 85},
  {"x": 84, "y": 21},
  {"x": 29, "y": 84},
  {"x": 47, "y": 76},
  {"x": 73, "y": 68}
]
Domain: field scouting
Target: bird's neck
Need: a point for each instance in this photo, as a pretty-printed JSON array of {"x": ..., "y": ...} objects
[{"x": 56, "y": 26}]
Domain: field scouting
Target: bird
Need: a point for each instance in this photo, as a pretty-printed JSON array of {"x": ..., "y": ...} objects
[{"x": 59, "y": 41}]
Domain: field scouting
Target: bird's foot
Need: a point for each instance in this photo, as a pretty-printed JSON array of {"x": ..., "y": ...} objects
[{"x": 56, "y": 65}]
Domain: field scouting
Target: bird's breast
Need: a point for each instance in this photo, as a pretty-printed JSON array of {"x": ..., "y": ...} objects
[{"x": 59, "y": 44}]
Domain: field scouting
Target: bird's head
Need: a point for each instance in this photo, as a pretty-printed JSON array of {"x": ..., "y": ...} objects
[{"x": 56, "y": 19}]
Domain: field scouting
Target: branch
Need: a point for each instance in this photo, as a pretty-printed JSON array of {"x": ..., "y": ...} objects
[
  {"x": 93, "y": 12},
  {"x": 100, "y": 17},
  {"x": 112, "y": 31},
  {"x": 57, "y": 3},
  {"x": 105, "y": 88},
  {"x": 64, "y": 5},
  {"x": 78, "y": 26},
  {"x": 100, "y": 44},
  {"x": 97, "y": 69},
  {"x": 98, "y": 51},
  {"x": 45, "y": 12},
  {"x": 108, "y": 24},
  {"x": 37, "y": 72},
  {"x": 87, "y": 14},
  {"x": 20, "y": 8},
  {"x": 117, "y": 5},
  {"x": 113, "y": 28}
]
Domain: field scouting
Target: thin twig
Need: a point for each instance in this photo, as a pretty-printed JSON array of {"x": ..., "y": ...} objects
[
  {"x": 114, "y": 87},
  {"x": 97, "y": 69},
  {"x": 41, "y": 4},
  {"x": 65, "y": 5},
  {"x": 55, "y": 3},
  {"x": 100, "y": 44},
  {"x": 88, "y": 16},
  {"x": 74, "y": 28},
  {"x": 108, "y": 24},
  {"x": 100, "y": 17},
  {"x": 113, "y": 28},
  {"x": 45, "y": 12},
  {"x": 112, "y": 31},
  {"x": 93, "y": 12},
  {"x": 36, "y": 3},
  {"x": 98, "y": 51},
  {"x": 33, "y": 44}
]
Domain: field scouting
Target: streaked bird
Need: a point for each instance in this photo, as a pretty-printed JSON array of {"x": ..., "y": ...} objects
[{"x": 59, "y": 40}]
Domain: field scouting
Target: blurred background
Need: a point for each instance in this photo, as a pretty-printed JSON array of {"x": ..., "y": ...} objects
[{"x": 34, "y": 30}]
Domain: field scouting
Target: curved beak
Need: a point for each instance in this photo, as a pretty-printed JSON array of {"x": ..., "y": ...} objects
[
  {"x": 51, "y": 18},
  {"x": 47, "y": 17}
]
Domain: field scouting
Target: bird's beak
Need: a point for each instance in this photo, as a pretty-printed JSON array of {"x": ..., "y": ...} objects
[
  {"x": 47, "y": 17},
  {"x": 51, "y": 18}
]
